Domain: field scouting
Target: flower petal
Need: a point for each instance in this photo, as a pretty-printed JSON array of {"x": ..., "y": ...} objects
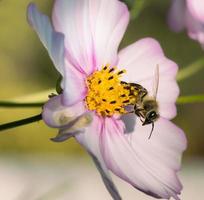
[
  {"x": 74, "y": 85},
  {"x": 90, "y": 140},
  {"x": 54, "y": 43},
  {"x": 52, "y": 40},
  {"x": 149, "y": 165},
  {"x": 76, "y": 126},
  {"x": 93, "y": 30},
  {"x": 195, "y": 28},
  {"x": 196, "y": 8},
  {"x": 56, "y": 115},
  {"x": 106, "y": 179},
  {"x": 176, "y": 16},
  {"x": 140, "y": 59}
]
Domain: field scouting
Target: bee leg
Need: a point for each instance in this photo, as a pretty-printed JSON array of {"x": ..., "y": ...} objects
[
  {"x": 143, "y": 92},
  {"x": 130, "y": 112},
  {"x": 138, "y": 111}
]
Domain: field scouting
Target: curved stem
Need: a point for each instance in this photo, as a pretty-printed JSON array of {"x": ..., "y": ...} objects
[
  {"x": 190, "y": 99},
  {"x": 190, "y": 70},
  {"x": 12, "y": 104},
  {"x": 21, "y": 122}
]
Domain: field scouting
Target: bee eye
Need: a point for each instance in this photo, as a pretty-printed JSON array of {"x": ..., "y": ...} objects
[{"x": 152, "y": 115}]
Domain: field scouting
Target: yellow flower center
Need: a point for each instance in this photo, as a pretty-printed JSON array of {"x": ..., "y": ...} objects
[{"x": 107, "y": 95}]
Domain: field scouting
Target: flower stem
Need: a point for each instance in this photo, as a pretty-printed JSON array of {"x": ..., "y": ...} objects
[
  {"x": 137, "y": 7},
  {"x": 21, "y": 122},
  {"x": 12, "y": 104},
  {"x": 190, "y": 99},
  {"x": 190, "y": 70}
]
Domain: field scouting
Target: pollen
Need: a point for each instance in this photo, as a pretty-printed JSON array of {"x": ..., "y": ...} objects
[{"x": 107, "y": 94}]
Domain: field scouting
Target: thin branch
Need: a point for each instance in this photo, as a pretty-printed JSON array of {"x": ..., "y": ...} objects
[
  {"x": 21, "y": 122},
  {"x": 12, "y": 104}
]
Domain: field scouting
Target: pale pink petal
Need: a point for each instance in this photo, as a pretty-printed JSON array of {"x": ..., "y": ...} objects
[
  {"x": 195, "y": 28},
  {"x": 54, "y": 43},
  {"x": 93, "y": 30},
  {"x": 167, "y": 94},
  {"x": 148, "y": 164},
  {"x": 74, "y": 85},
  {"x": 176, "y": 17},
  {"x": 76, "y": 126},
  {"x": 90, "y": 140},
  {"x": 56, "y": 115},
  {"x": 196, "y": 8},
  {"x": 140, "y": 59},
  {"x": 52, "y": 40}
]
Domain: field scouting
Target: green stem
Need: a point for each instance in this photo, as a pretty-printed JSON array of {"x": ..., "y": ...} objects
[
  {"x": 190, "y": 70},
  {"x": 11, "y": 104},
  {"x": 137, "y": 7},
  {"x": 190, "y": 99},
  {"x": 21, "y": 122}
]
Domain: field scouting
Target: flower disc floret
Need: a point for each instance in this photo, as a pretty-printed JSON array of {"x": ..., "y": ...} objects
[{"x": 107, "y": 94}]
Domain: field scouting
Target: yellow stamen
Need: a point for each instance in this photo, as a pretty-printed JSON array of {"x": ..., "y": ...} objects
[{"x": 107, "y": 95}]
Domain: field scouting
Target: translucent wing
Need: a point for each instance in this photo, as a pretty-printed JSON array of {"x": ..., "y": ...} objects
[{"x": 155, "y": 82}]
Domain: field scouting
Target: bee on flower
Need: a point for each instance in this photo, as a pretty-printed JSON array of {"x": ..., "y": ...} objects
[{"x": 99, "y": 84}]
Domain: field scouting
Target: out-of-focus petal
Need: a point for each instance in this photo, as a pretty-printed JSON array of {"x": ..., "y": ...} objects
[
  {"x": 93, "y": 30},
  {"x": 148, "y": 164},
  {"x": 75, "y": 85},
  {"x": 56, "y": 115},
  {"x": 196, "y": 8},
  {"x": 176, "y": 16},
  {"x": 90, "y": 140},
  {"x": 52, "y": 40},
  {"x": 140, "y": 59},
  {"x": 195, "y": 28}
]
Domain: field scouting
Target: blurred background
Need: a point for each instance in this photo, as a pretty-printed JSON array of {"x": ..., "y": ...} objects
[{"x": 32, "y": 166}]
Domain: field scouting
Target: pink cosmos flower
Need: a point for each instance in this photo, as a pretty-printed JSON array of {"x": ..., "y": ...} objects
[
  {"x": 188, "y": 14},
  {"x": 83, "y": 38}
]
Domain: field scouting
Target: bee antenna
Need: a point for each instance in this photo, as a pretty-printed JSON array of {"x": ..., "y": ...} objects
[{"x": 151, "y": 130}]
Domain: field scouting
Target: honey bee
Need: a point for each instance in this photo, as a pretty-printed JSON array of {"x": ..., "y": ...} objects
[{"x": 145, "y": 105}]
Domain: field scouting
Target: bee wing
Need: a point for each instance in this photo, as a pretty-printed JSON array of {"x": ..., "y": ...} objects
[{"x": 155, "y": 82}]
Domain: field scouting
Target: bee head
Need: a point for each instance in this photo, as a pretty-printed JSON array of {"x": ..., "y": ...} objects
[{"x": 151, "y": 116}]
